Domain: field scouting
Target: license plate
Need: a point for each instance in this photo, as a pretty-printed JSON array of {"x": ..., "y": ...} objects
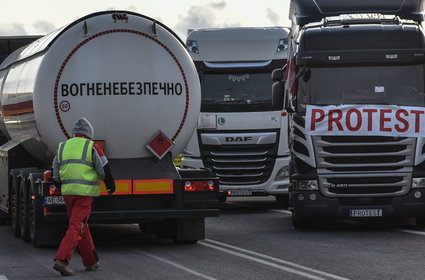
[
  {"x": 365, "y": 213},
  {"x": 51, "y": 200},
  {"x": 239, "y": 192}
]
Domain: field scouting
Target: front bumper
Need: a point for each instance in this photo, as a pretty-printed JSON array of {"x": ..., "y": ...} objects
[
  {"x": 312, "y": 204},
  {"x": 270, "y": 187}
]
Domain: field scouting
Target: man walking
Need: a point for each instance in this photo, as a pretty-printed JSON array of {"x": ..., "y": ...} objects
[{"x": 79, "y": 165}]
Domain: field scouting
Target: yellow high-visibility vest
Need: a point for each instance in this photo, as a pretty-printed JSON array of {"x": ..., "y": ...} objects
[{"x": 77, "y": 173}]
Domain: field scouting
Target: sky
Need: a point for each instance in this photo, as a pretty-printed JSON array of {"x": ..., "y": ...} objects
[{"x": 39, "y": 17}]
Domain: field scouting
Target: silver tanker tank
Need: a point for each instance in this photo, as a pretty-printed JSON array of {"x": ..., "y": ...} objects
[{"x": 129, "y": 75}]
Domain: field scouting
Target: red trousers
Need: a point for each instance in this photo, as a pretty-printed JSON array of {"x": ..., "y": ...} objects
[{"x": 78, "y": 233}]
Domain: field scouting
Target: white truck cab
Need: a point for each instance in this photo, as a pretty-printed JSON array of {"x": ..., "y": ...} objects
[{"x": 240, "y": 136}]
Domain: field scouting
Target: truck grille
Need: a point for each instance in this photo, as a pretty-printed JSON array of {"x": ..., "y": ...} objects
[
  {"x": 240, "y": 164},
  {"x": 364, "y": 165}
]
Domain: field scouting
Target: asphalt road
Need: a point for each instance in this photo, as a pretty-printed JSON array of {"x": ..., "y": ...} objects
[{"x": 252, "y": 239}]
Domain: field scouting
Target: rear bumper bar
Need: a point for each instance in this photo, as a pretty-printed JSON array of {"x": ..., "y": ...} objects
[{"x": 123, "y": 217}]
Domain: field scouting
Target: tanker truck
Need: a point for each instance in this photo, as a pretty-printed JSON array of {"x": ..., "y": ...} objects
[{"x": 133, "y": 79}]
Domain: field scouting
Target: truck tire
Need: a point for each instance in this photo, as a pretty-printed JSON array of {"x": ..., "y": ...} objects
[
  {"x": 187, "y": 241},
  {"x": 181, "y": 231},
  {"x": 188, "y": 231},
  {"x": 41, "y": 234},
  {"x": 282, "y": 201},
  {"x": 34, "y": 223},
  {"x": 24, "y": 200},
  {"x": 222, "y": 197},
  {"x": 420, "y": 221},
  {"x": 300, "y": 223},
  {"x": 149, "y": 228},
  {"x": 24, "y": 210},
  {"x": 14, "y": 202}
]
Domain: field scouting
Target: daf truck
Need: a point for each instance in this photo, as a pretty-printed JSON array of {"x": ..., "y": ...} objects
[
  {"x": 240, "y": 136},
  {"x": 355, "y": 92},
  {"x": 133, "y": 79}
]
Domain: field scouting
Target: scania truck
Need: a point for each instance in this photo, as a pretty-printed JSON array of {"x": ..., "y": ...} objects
[
  {"x": 240, "y": 136},
  {"x": 355, "y": 92},
  {"x": 133, "y": 79}
]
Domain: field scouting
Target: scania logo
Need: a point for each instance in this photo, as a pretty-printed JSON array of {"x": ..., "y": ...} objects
[{"x": 238, "y": 139}]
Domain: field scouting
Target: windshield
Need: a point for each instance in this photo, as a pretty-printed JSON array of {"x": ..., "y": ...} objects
[
  {"x": 394, "y": 85},
  {"x": 236, "y": 92}
]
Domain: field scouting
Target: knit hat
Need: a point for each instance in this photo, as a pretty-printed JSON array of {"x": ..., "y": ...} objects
[{"x": 83, "y": 126}]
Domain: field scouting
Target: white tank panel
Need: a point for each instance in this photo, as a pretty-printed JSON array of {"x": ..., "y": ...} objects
[{"x": 128, "y": 76}]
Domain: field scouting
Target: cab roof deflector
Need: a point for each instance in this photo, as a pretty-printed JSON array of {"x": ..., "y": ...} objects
[{"x": 303, "y": 12}]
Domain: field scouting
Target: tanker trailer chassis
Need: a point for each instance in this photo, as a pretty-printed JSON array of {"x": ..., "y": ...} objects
[{"x": 174, "y": 207}]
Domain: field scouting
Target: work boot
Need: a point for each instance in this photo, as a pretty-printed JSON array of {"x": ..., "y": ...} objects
[
  {"x": 63, "y": 268},
  {"x": 94, "y": 267}
]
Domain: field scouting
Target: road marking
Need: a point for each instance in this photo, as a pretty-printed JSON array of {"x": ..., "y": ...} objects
[
  {"x": 2, "y": 277},
  {"x": 281, "y": 211},
  {"x": 247, "y": 254},
  {"x": 410, "y": 231},
  {"x": 178, "y": 266}
]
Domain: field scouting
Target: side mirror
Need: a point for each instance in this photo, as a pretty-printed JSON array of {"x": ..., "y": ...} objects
[
  {"x": 278, "y": 75},
  {"x": 278, "y": 90}
]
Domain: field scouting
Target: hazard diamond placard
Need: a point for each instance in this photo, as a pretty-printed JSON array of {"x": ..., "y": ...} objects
[{"x": 159, "y": 145}]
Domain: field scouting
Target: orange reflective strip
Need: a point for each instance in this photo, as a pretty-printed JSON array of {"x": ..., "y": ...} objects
[
  {"x": 18, "y": 112},
  {"x": 122, "y": 187},
  {"x": 154, "y": 186}
]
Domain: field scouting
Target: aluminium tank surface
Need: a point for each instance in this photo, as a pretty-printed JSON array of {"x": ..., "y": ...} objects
[{"x": 129, "y": 75}]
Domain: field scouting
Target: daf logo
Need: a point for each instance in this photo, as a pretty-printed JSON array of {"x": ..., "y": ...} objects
[{"x": 238, "y": 139}]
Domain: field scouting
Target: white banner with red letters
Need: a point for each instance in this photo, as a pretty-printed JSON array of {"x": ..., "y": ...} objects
[{"x": 381, "y": 120}]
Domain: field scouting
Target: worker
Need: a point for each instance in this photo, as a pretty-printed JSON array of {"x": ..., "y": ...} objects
[{"x": 78, "y": 166}]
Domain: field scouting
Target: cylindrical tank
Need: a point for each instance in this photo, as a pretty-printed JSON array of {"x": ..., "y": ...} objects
[{"x": 129, "y": 75}]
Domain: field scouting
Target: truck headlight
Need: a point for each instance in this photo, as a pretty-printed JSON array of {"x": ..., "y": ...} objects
[
  {"x": 282, "y": 45},
  {"x": 305, "y": 185},
  {"x": 192, "y": 46},
  {"x": 282, "y": 173},
  {"x": 418, "y": 183}
]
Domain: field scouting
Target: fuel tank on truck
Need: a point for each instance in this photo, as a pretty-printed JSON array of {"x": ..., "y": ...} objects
[{"x": 128, "y": 74}]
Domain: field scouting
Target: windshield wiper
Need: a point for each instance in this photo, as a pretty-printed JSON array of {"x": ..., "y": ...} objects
[{"x": 209, "y": 101}]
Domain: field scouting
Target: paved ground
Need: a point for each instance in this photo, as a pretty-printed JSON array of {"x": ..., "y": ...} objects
[{"x": 252, "y": 239}]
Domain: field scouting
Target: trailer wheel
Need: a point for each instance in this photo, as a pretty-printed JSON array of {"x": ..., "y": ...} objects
[
  {"x": 300, "y": 223},
  {"x": 188, "y": 241},
  {"x": 282, "y": 201},
  {"x": 41, "y": 234},
  {"x": 420, "y": 221},
  {"x": 149, "y": 228},
  {"x": 187, "y": 231},
  {"x": 14, "y": 202},
  {"x": 34, "y": 224},
  {"x": 24, "y": 210}
]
